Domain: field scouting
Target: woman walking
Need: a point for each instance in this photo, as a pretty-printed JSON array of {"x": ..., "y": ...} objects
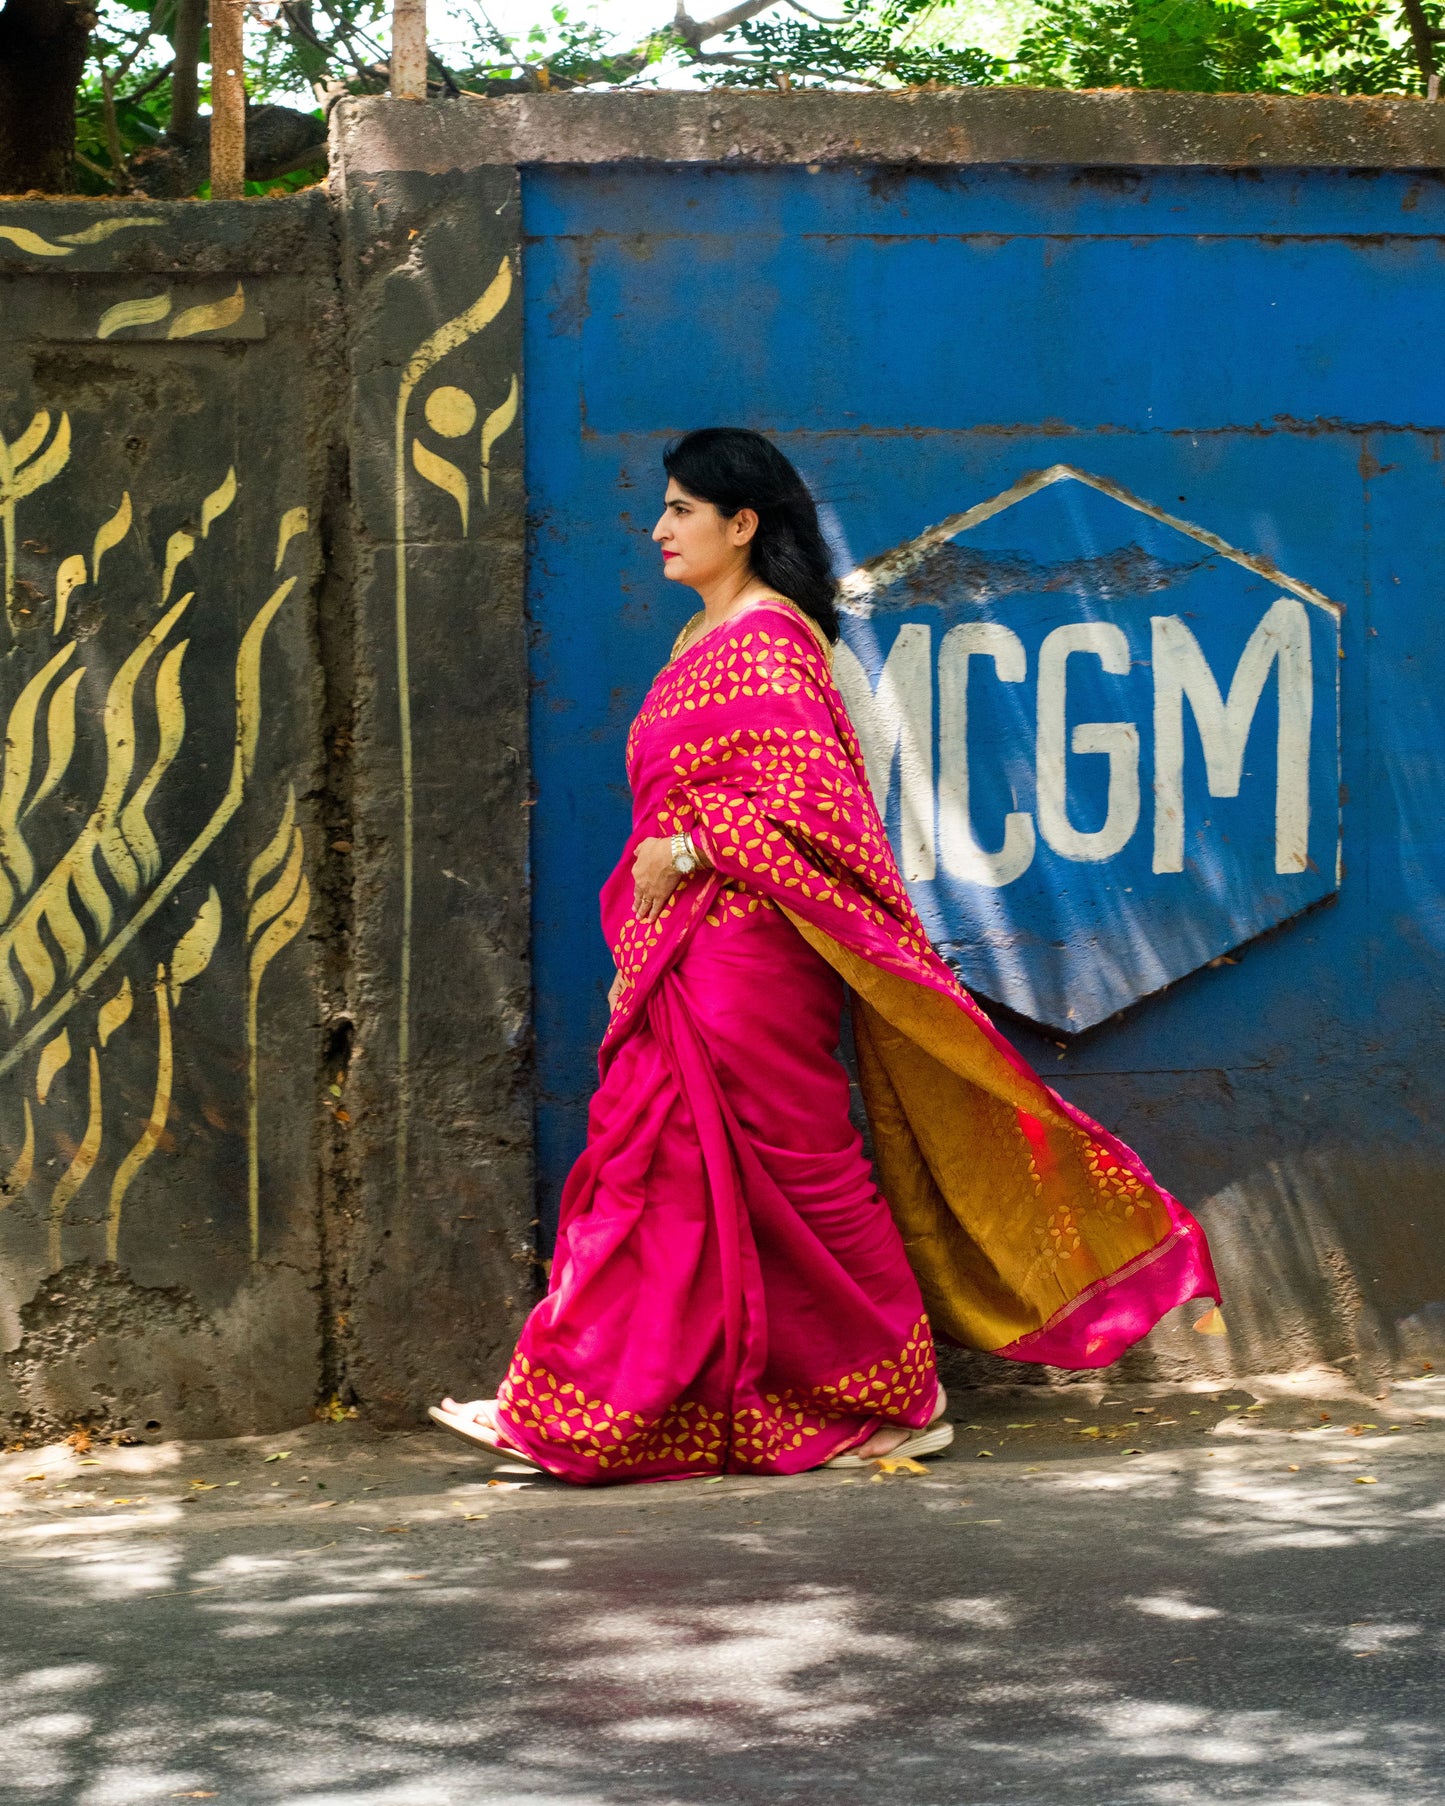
[{"x": 730, "y": 1291}]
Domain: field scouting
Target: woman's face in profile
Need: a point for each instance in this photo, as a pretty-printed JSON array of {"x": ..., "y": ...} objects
[{"x": 699, "y": 545}]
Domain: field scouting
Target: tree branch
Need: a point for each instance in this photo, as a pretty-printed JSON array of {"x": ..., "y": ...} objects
[
  {"x": 696, "y": 32},
  {"x": 1423, "y": 35}
]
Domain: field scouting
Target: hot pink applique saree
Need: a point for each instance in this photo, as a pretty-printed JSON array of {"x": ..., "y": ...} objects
[{"x": 730, "y": 1290}]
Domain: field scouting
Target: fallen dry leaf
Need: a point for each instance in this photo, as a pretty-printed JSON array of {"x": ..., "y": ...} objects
[
  {"x": 280, "y": 1455},
  {"x": 205, "y": 1485},
  {"x": 1366, "y": 1480},
  {"x": 985, "y": 1455},
  {"x": 900, "y": 1464},
  {"x": 1211, "y": 1323},
  {"x": 35, "y": 1476}
]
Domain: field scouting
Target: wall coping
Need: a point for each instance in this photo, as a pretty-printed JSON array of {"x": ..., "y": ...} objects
[{"x": 1011, "y": 126}]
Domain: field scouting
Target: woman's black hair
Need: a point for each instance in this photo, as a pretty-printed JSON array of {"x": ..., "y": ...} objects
[{"x": 734, "y": 468}]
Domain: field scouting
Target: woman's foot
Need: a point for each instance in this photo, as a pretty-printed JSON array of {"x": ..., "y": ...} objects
[
  {"x": 476, "y": 1422},
  {"x": 480, "y": 1411},
  {"x": 883, "y": 1442}
]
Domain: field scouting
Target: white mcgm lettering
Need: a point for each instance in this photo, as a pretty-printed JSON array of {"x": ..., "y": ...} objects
[{"x": 894, "y": 720}]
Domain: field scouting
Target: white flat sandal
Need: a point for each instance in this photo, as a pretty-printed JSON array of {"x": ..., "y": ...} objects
[
  {"x": 931, "y": 1441},
  {"x": 471, "y": 1431}
]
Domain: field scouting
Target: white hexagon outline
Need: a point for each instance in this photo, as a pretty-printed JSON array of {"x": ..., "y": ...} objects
[{"x": 859, "y": 588}]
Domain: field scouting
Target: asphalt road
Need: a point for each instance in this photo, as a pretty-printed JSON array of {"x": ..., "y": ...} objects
[{"x": 1246, "y": 1609}]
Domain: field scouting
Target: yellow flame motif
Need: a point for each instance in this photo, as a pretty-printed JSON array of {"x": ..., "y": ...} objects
[
  {"x": 248, "y": 732},
  {"x": 495, "y": 424},
  {"x": 79, "y": 1170},
  {"x": 144, "y": 310},
  {"x": 68, "y": 579},
  {"x": 276, "y": 917},
  {"x": 171, "y": 722},
  {"x": 101, "y": 839},
  {"x": 59, "y": 736},
  {"x": 107, "y": 228},
  {"x": 115, "y": 1012},
  {"x": 27, "y": 464},
  {"x": 440, "y": 344},
  {"x": 54, "y": 1056},
  {"x": 110, "y": 535},
  {"x": 155, "y": 1126},
  {"x": 293, "y": 522},
  {"x": 70, "y": 242},
  {"x": 217, "y": 502},
  {"x": 67, "y": 921},
  {"x": 211, "y": 316},
  {"x": 19, "y": 873},
  {"x": 195, "y": 947},
  {"x": 444, "y": 474},
  {"x": 33, "y": 243}
]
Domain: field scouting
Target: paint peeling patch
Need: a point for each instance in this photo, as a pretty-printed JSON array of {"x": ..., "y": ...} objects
[{"x": 953, "y": 577}]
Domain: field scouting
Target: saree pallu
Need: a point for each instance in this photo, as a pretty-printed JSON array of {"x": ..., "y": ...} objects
[{"x": 729, "y": 1292}]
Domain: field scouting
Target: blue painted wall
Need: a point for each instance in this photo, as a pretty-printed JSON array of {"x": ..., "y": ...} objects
[{"x": 1250, "y": 353}]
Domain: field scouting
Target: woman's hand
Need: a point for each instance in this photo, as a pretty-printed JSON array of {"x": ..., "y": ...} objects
[
  {"x": 654, "y": 878},
  {"x": 614, "y": 991}
]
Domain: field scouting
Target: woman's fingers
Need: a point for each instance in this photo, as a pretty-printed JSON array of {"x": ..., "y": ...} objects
[{"x": 654, "y": 878}]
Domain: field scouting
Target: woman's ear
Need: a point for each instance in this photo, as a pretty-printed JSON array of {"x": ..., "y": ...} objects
[{"x": 743, "y": 526}]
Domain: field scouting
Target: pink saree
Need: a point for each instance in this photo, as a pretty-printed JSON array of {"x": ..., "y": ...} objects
[{"x": 730, "y": 1291}]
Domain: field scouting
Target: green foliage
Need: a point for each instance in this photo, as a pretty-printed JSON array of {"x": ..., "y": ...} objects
[
  {"x": 1220, "y": 46},
  {"x": 314, "y": 50},
  {"x": 559, "y": 51},
  {"x": 865, "y": 46}
]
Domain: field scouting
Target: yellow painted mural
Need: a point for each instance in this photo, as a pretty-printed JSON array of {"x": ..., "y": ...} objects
[
  {"x": 450, "y": 412},
  {"x": 100, "y": 762}
]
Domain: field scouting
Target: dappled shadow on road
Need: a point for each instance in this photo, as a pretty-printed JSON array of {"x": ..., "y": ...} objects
[{"x": 1171, "y": 1632}]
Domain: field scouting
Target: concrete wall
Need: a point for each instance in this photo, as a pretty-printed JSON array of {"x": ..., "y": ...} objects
[
  {"x": 167, "y": 400},
  {"x": 439, "y": 1261},
  {"x": 1166, "y": 293},
  {"x": 266, "y": 1119}
]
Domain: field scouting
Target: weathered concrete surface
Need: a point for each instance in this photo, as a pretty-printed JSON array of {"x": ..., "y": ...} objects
[
  {"x": 165, "y": 400},
  {"x": 1225, "y": 1615},
  {"x": 436, "y": 1252},
  {"x": 1114, "y": 127}
]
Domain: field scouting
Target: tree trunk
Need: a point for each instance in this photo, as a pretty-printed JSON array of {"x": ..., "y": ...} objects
[
  {"x": 43, "y": 46},
  {"x": 186, "y": 29}
]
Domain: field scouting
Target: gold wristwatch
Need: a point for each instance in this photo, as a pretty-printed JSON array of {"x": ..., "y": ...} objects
[{"x": 684, "y": 855}]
